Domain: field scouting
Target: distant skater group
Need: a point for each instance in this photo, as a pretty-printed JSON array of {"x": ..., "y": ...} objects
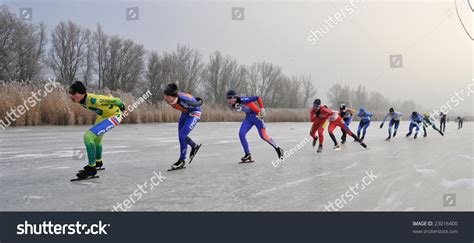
[{"x": 109, "y": 115}]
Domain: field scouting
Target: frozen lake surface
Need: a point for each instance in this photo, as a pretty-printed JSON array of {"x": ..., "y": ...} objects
[{"x": 36, "y": 164}]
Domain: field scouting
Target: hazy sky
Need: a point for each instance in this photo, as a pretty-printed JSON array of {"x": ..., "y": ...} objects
[{"x": 437, "y": 53}]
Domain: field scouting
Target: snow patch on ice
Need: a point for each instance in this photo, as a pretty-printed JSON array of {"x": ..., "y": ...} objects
[
  {"x": 350, "y": 166},
  {"x": 61, "y": 167},
  {"x": 226, "y": 141},
  {"x": 465, "y": 182}
]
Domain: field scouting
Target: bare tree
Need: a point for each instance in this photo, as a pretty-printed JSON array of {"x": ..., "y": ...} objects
[
  {"x": 338, "y": 94},
  {"x": 263, "y": 79},
  {"x": 68, "y": 50},
  {"x": 100, "y": 47},
  {"x": 21, "y": 47},
  {"x": 88, "y": 66},
  {"x": 125, "y": 63},
  {"x": 219, "y": 75},
  {"x": 187, "y": 68},
  {"x": 154, "y": 75},
  {"x": 359, "y": 97},
  {"x": 309, "y": 91}
]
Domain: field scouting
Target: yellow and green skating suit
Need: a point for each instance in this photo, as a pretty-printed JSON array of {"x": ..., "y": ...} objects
[{"x": 108, "y": 116}]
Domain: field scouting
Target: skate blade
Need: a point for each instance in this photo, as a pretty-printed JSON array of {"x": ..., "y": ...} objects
[
  {"x": 86, "y": 178},
  {"x": 246, "y": 162},
  {"x": 172, "y": 169},
  {"x": 98, "y": 169},
  {"x": 197, "y": 150}
]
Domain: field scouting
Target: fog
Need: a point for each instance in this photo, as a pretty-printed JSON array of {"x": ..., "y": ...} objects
[{"x": 354, "y": 49}]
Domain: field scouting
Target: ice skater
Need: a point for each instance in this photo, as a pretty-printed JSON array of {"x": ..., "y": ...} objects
[
  {"x": 323, "y": 112},
  {"x": 346, "y": 114},
  {"x": 109, "y": 115},
  {"x": 364, "y": 123},
  {"x": 319, "y": 124},
  {"x": 460, "y": 122},
  {"x": 253, "y": 117},
  {"x": 416, "y": 121},
  {"x": 428, "y": 121},
  {"x": 190, "y": 108},
  {"x": 394, "y": 122},
  {"x": 442, "y": 121}
]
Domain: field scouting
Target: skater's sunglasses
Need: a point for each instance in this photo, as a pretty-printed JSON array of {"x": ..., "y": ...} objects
[{"x": 231, "y": 97}]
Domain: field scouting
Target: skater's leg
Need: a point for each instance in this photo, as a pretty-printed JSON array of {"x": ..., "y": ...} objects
[
  {"x": 397, "y": 124},
  {"x": 244, "y": 129},
  {"x": 332, "y": 126},
  {"x": 93, "y": 142},
  {"x": 364, "y": 129},
  {"x": 410, "y": 129},
  {"x": 436, "y": 129},
  {"x": 346, "y": 128},
  {"x": 98, "y": 148},
  {"x": 262, "y": 131},
  {"x": 390, "y": 125},
  {"x": 314, "y": 127},
  {"x": 321, "y": 135},
  {"x": 189, "y": 124},
  {"x": 344, "y": 135},
  {"x": 89, "y": 141},
  {"x": 359, "y": 128}
]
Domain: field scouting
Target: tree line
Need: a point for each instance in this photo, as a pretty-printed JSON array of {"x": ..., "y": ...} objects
[
  {"x": 111, "y": 61},
  {"x": 71, "y": 52}
]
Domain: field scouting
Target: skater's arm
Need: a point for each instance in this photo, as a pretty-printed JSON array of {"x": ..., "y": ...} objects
[
  {"x": 253, "y": 99},
  {"x": 192, "y": 103},
  {"x": 253, "y": 107},
  {"x": 312, "y": 115},
  {"x": 106, "y": 100}
]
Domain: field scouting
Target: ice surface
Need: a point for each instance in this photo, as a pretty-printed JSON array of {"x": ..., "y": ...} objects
[{"x": 36, "y": 164}]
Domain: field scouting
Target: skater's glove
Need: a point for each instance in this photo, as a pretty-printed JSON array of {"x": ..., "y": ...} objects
[
  {"x": 262, "y": 112},
  {"x": 199, "y": 100},
  {"x": 381, "y": 125}
]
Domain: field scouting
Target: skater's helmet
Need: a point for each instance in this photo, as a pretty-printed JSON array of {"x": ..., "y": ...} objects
[
  {"x": 171, "y": 90},
  {"x": 342, "y": 107},
  {"x": 426, "y": 114},
  {"x": 231, "y": 94},
  {"x": 77, "y": 88},
  {"x": 391, "y": 110},
  {"x": 414, "y": 114},
  {"x": 316, "y": 102}
]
